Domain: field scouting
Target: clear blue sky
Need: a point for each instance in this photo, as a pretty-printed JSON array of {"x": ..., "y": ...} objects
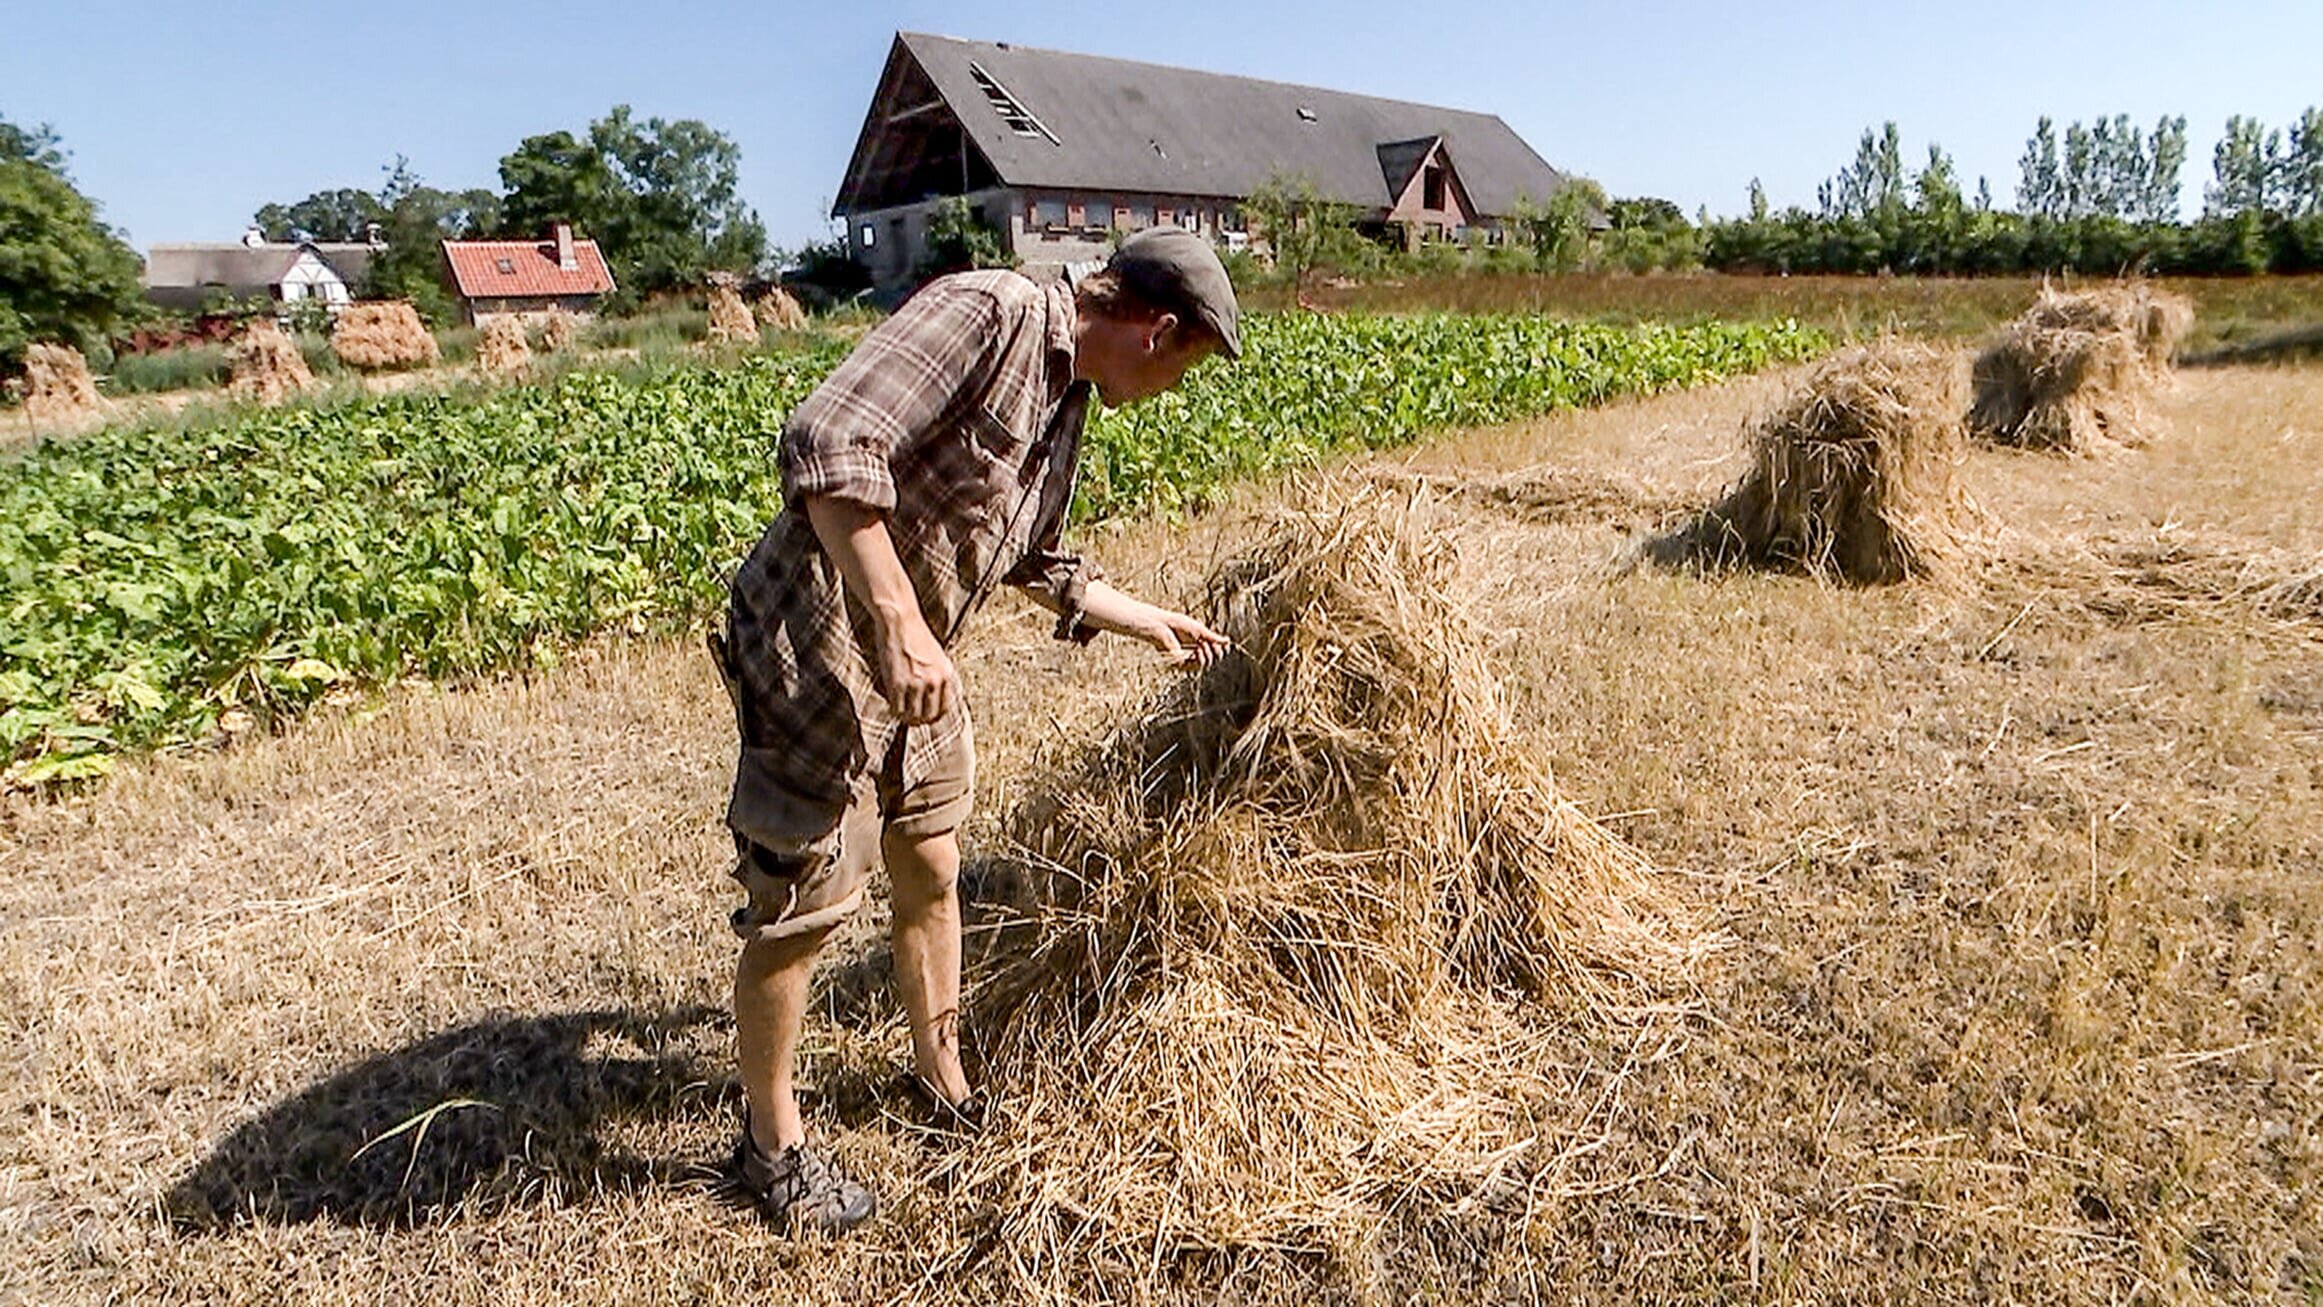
[{"x": 184, "y": 118}]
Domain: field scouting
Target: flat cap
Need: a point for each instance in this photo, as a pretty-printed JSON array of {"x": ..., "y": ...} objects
[{"x": 1172, "y": 268}]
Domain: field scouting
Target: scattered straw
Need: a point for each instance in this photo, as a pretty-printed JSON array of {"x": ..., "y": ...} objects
[
  {"x": 501, "y": 349},
  {"x": 264, "y": 365},
  {"x": 2076, "y": 371},
  {"x": 58, "y": 386},
  {"x": 2173, "y": 574},
  {"x": 730, "y": 320},
  {"x": 777, "y": 310},
  {"x": 558, "y": 331},
  {"x": 1545, "y": 494},
  {"x": 1298, "y": 930},
  {"x": 1855, "y": 475},
  {"x": 381, "y": 335}
]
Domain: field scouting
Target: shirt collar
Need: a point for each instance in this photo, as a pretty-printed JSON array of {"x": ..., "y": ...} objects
[{"x": 1064, "y": 317}]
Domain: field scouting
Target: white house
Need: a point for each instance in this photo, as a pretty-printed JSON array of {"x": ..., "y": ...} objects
[{"x": 182, "y": 277}]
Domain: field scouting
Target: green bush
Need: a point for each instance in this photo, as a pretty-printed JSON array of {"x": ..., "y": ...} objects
[{"x": 188, "y": 367}]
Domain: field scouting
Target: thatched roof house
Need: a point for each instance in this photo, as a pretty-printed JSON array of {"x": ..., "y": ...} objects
[{"x": 183, "y": 277}]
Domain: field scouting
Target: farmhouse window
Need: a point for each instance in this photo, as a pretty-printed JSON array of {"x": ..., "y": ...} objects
[
  {"x": 1432, "y": 189},
  {"x": 1191, "y": 220}
]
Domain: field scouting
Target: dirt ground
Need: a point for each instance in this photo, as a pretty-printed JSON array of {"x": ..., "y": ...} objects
[{"x": 423, "y": 1002}]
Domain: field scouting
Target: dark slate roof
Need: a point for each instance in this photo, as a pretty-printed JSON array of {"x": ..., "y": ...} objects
[{"x": 1124, "y": 126}]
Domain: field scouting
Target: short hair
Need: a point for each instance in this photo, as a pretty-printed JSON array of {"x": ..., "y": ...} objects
[{"x": 1104, "y": 292}]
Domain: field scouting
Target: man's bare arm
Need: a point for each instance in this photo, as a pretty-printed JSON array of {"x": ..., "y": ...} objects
[
  {"x": 1184, "y": 640},
  {"x": 913, "y": 668}
]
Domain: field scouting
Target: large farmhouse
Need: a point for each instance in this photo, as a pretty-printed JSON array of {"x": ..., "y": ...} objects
[{"x": 1057, "y": 151}]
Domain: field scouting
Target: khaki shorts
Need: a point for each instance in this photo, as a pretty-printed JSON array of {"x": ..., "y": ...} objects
[{"x": 801, "y": 894}]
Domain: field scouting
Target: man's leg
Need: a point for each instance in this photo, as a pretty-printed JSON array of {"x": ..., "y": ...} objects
[
  {"x": 770, "y": 1006},
  {"x": 925, "y": 870}
]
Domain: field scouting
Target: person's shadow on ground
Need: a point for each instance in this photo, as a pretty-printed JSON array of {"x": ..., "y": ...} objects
[{"x": 502, "y": 1111}]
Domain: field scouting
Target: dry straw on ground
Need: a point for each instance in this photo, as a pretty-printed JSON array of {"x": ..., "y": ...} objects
[
  {"x": 382, "y": 335},
  {"x": 1855, "y": 475},
  {"x": 501, "y": 349},
  {"x": 558, "y": 331},
  {"x": 730, "y": 320},
  {"x": 1296, "y": 931},
  {"x": 777, "y": 310},
  {"x": 264, "y": 364},
  {"x": 2077, "y": 371},
  {"x": 1548, "y": 493},
  {"x": 58, "y": 386}
]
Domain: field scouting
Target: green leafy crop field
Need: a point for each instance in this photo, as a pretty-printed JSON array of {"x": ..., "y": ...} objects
[{"x": 161, "y": 582}]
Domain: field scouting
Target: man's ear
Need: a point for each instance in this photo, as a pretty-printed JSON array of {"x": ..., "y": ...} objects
[{"x": 1158, "y": 331}]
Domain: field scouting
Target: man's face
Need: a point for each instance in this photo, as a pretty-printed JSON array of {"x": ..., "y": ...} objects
[{"x": 1154, "y": 357}]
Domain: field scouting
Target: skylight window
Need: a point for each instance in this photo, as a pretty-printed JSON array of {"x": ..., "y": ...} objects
[
  {"x": 1306, "y": 114},
  {"x": 507, "y": 266},
  {"x": 1010, "y": 109}
]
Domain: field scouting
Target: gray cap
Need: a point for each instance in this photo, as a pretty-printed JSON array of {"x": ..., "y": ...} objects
[{"x": 1172, "y": 268}]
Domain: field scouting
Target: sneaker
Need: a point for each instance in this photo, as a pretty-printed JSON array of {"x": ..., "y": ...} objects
[
  {"x": 803, "y": 1186},
  {"x": 966, "y": 1117}
]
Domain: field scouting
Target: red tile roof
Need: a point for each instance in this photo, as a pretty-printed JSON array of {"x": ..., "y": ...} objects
[{"x": 531, "y": 269}]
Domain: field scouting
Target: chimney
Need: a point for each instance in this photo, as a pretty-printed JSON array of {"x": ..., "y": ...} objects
[{"x": 566, "y": 261}]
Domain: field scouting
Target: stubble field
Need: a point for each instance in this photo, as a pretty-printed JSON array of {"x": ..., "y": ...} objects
[{"x": 422, "y": 1001}]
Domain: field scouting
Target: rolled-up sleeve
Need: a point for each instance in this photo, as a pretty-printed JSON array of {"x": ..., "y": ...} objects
[
  {"x": 1063, "y": 579},
  {"x": 897, "y": 385}
]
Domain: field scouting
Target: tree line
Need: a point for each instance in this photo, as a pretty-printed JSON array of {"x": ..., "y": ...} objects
[{"x": 2101, "y": 198}]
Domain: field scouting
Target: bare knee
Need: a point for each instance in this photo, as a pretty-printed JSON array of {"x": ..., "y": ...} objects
[
  {"x": 924, "y": 868},
  {"x": 766, "y": 957}
]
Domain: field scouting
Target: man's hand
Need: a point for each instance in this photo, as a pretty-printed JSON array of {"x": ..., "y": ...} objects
[
  {"x": 914, "y": 670},
  {"x": 1185, "y": 641}
]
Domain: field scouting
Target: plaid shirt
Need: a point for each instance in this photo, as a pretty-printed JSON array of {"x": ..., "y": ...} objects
[{"x": 958, "y": 419}]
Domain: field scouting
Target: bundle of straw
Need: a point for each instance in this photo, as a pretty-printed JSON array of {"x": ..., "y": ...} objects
[
  {"x": 1298, "y": 932},
  {"x": 730, "y": 320},
  {"x": 2076, "y": 371},
  {"x": 264, "y": 365},
  {"x": 778, "y": 310},
  {"x": 58, "y": 386},
  {"x": 1855, "y": 475},
  {"x": 501, "y": 349},
  {"x": 382, "y": 334},
  {"x": 558, "y": 331}
]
